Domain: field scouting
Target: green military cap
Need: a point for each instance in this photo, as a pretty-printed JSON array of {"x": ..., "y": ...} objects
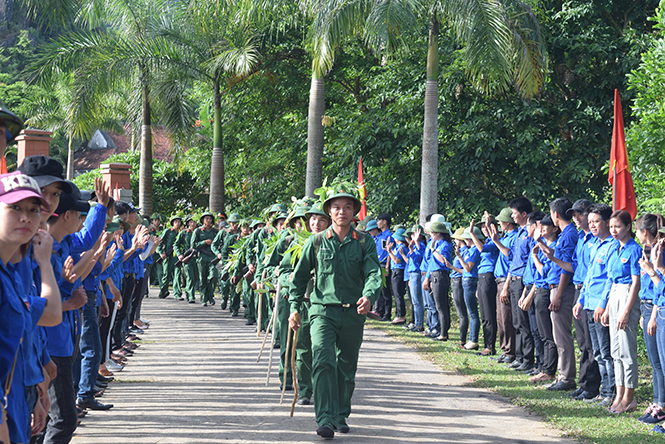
[
  {"x": 12, "y": 122},
  {"x": 504, "y": 216},
  {"x": 255, "y": 222},
  {"x": 458, "y": 233},
  {"x": 156, "y": 216},
  {"x": 413, "y": 229},
  {"x": 299, "y": 213},
  {"x": 278, "y": 216},
  {"x": 235, "y": 217},
  {"x": 113, "y": 226},
  {"x": 316, "y": 209},
  {"x": 207, "y": 213},
  {"x": 439, "y": 227},
  {"x": 122, "y": 223},
  {"x": 342, "y": 193},
  {"x": 398, "y": 227},
  {"x": 175, "y": 216},
  {"x": 186, "y": 219},
  {"x": 145, "y": 222},
  {"x": 476, "y": 231},
  {"x": 277, "y": 208}
]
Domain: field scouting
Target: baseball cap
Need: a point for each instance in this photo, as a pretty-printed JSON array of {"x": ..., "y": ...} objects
[
  {"x": 547, "y": 220},
  {"x": 68, "y": 202},
  {"x": 45, "y": 170},
  {"x": 580, "y": 205},
  {"x": 15, "y": 187}
]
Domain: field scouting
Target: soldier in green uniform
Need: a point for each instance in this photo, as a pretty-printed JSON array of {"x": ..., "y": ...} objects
[
  {"x": 217, "y": 249},
  {"x": 155, "y": 230},
  {"x": 165, "y": 251},
  {"x": 280, "y": 262},
  {"x": 348, "y": 281},
  {"x": 201, "y": 240},
  {"x": 265, "y": 272},
  {"x": 250, "y": 259},
  {"x": 231, "y": 239},
  {"x": 317, "y": 222},
  {"x": 188, "y": 270}
]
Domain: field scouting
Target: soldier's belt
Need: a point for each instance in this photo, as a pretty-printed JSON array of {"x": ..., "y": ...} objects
[{"x": 346, "y": 305}]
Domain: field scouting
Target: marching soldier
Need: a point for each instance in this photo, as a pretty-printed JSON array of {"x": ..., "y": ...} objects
[
  {"x": 165, "y": 251},
  {"x": 156, "y": 230},
  {"x": 187, "y": 270},
  {"x": 201, "y": 240},
  {"x": 231, "y": 239}
]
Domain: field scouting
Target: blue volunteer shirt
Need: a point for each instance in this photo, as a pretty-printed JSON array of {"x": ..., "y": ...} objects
[
  {"x": 503, "y": 262},
  {"x": 446, "y": 250},
  {"x": 471, "y": 255},
  {"x": 520, "y": 252},
  {"x": 591, "y": 296},
  {"x": 582, "y": 255},
  {"x": 488, "y": 257},
  {"x": 564, "y": 250},
  {"x": 541, "y": 276},
  {"x": 427, "y": 258},
  {"x": 401, "y": 265},
  {"x": 386, "y": 236},
  {"x": 415, "y": 258},
  {"x": 623, "y": 264}
]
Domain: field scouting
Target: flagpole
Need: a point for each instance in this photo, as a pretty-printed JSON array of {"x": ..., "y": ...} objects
[{"x": 614, "y": 189}]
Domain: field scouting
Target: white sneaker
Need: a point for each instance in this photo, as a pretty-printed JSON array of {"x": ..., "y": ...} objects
[
  {"x": 145, "y": 321},
  {"x": 113, "y": 367},
  {"x": 471, "y": 345}
]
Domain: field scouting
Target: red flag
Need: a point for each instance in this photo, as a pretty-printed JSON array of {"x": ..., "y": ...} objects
[
  {"x": 3, "y": 166},
  {"x": 362, "y": 214},
  {"x": 623, "y": 191}
]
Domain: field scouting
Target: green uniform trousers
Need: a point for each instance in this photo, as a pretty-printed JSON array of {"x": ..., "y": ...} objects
[
  {"x": 337, "y": 334},
  {"x": 304, "y": 354},
  {"x": 157, "y": 272},
  {"x": 264, "y": 301},
  {"x": 206, "y": 278},
  {"x": 248, "y": 301},
  {"x": 177, "y": 281},
  {"x": 191, "y": 278},
  {"x": 168, "y": 265},
  {"x": 283, "y": 309}
]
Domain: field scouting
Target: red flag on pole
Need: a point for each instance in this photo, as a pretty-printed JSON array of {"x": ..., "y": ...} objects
[
  {"x": 362, "y": 191},
  {"x": 3, "y": 166},
  {"x": 623, "y": 192}
]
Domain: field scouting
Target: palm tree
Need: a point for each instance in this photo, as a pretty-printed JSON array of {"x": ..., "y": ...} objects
[
  {"x": 61, "y": 112},
  {"x": 127, "y": 53},
  {"x": 502, "y": 47}
]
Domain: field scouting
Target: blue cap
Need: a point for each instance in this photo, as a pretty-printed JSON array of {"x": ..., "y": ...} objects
[
  {"x": 399, "y": 235},
  {"x": 371, "y": 225}
]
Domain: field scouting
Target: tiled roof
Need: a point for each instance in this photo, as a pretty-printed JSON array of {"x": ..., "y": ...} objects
[{"x": 86, "y": 159}]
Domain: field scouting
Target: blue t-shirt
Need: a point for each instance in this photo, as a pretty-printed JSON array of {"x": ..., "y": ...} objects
[
  {"x": 386, "y": 236},
  {"x": 541, "y": 277},
  {"x": 503, "y": 262},
  {"x": 401, "y": 265},
  {"x": 581, "y": 257},
  {"x": 471, "y": 255},
  {"x": 444, "y": 248},
  {"x": 564, "y": 250},
  {"x": 520, "y": 252},
  {"x": 415, "y": 258},
  {"x": 488, "y": 257},
  {"x": 596, "y": 283}
]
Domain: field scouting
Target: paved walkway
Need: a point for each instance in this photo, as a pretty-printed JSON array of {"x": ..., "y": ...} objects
[{"x": 196, "y": 380}]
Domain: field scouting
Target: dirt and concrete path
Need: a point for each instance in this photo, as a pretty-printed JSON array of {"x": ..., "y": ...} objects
[{"x": 196, "y": 380}]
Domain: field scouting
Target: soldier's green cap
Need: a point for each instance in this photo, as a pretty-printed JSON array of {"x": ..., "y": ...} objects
[
  {"x": 113, "y": 226},
  {"x": 122, "y": 223},
  {"x": 187, "y": 219},
  {"x": 255, "y": 222},
  {"x": 504, "y": 216},
  {"x": 439, "y": 227},
  {"x": 176, "y": 216},
  {"x": 342, "y": 193},
  {"x": 413, "y": 229},
  {"x": 278, "y": 216},
  {"x": 458, "y": 233},
  {"x": 156, "y": 216},
  {"x": 145, "y": 222},
  {"x": 278, "y": 208},
  {"x": 476, "y": 231},
  {"x": 316, "y": 209},
  {"x": 235, "y": 218},
  {"x": 207, "y": 213},
  {"x": 299, "y": 213},
  {"x": 398, "y": 227}
]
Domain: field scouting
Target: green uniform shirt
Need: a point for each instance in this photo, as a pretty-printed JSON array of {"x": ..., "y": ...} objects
[
  {"x": 345, "y": 271},
  {"x": 182, "y": 242},
  {"x": 218, "y": 242},
  {"x": 200, "y": 235},
  {"x": 280, "y": 259},
  {"x": 168, "y": 239}
]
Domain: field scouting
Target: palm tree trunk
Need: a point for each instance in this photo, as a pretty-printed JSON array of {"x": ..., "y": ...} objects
[
  {"x": 70, "y": 159},
  {"x": 430, "y": 162},
  {"x": 317, "y": 108},
  {"x": 145, "y": 169},
  {"x": 216, "y": 199}
]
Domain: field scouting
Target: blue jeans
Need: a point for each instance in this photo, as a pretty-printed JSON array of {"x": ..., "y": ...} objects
[
  {"x": 652, "y": 351},
  {"x": 660, "y": 336},
  {"x": 600, "y": 338},
  {"x": 416, "y": 286},
  {"x": 432, "y": 315},
  {"x": 90, "y": 346},
  {"x": 469, "y": 284}
]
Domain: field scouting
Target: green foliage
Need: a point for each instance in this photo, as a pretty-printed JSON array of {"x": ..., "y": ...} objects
[{"x": 295, "y": 249}]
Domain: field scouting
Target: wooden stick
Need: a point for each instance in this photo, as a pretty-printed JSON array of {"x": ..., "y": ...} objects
[
  {"x": 265, "y": 338},
  {"x": 260, "y": 308},
  {"x": 274, "y": 328},
  {"x": 286, "y": 366},
  {"x": 294, "y": 371}
]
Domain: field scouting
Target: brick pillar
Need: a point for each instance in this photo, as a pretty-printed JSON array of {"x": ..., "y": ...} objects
[
  {"x": 117, "y": 176},
  {"x": 32, "y": 142}
]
